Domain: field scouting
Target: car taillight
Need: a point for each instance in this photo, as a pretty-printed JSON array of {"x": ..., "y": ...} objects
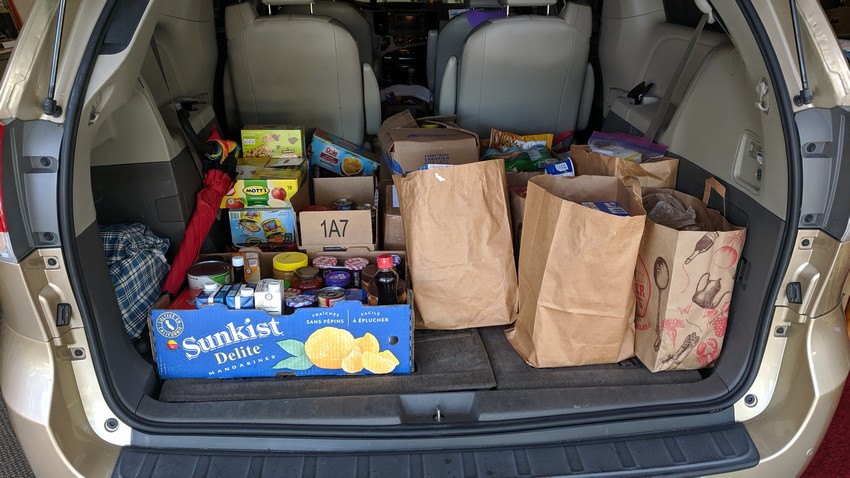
[{"x": 5, "y": 245}]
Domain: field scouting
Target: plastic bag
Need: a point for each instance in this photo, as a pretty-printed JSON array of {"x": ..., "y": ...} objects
[
  {"x": 626, "y": 147},
  {"x": 666, "y": 210}
]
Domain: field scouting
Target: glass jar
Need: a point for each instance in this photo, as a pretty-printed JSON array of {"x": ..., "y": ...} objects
[
  {"x": 285, "y": 264},
  {"x": 307, "y": 278},
  {"x": 367, "y": 275}
]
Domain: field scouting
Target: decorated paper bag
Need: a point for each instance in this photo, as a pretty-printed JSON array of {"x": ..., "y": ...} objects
[
  {"x": 683, "y": 283},
  {"x": 576, "y": 272},
  {"x": 655, "y": 174},
  {"x": 457, "y": 229}
]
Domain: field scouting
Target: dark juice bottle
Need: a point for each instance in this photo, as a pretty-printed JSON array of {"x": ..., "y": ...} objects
[
  {"x": 238, "y": 269},
  {"x": 386, "y": 280}
]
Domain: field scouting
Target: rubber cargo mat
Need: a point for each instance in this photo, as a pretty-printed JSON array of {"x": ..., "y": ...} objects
[
  {"x": 444, "y": 361},
  {"x": 512, "y": 373}
]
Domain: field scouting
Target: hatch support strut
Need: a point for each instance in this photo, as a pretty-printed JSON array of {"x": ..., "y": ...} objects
[
  {"x": 50, "y": 107},
  {"x": 805, "y": 97}
]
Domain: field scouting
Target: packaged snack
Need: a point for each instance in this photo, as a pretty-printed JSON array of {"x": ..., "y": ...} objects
[
  {"x": 257, "y": 226},
  {"x": 342, "y": 157},
  {"x": 626, "y": 147},
  {"x": 610, "y": 207},
  {"x": 273, "y": 141},
  {"x": 504, "y": 141}
]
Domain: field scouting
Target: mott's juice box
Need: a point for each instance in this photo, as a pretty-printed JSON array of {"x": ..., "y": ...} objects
[
  {"x": 272, "y": 141},
  {"x": 342, "y": 157},
  {"x": 258, "y": 184},
  {"x": 274, "y": 226},
  {"x": 346, "y": 339}
]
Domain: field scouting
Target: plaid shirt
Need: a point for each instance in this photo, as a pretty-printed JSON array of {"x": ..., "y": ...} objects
[{"x": 137, "y": 264}]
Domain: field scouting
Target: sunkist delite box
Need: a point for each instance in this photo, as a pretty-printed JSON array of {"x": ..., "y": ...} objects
[
  {"x": 346, "y": 339},
  {"x": 272, "y": 141}
]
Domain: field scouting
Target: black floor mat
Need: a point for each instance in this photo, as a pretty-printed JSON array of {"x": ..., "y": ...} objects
[
  {"x": 444, "y": 361},
  {"x": 512, "y": 373}
]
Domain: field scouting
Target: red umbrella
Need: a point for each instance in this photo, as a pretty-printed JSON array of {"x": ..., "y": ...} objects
[{"x": 218, "y": 179}]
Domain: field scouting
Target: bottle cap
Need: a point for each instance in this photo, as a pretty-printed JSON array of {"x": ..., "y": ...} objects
[
  {"x": 238, "y": 261},
  {"x": 274, "y": 286},
  {"x": 246, "y": 292},
  {"x": 210, "y": 287},
  {"x": 385, "y": 261}
]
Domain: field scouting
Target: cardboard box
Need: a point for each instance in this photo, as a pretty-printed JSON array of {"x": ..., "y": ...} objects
[
  {"x": 274, "y": 141},
  {"x": 215, "y": 342},
  {"x": 250, "y": 227},
  {"x": 342, "y": 157},
  {"x": 393, "y": 237},
  {"x": 322, "y": 230},
  {"x": 259, "y": 185},
  {"x": 407, "y": 147}
]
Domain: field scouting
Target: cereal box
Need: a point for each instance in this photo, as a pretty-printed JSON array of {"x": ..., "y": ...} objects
[{"x": 274, "y": 141}]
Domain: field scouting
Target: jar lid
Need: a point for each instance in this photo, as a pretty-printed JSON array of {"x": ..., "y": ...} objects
[
  {"x": 289, "y": 261},
  {"x": 301, "y": 300},
  {"x": 368, "y": 272},
  {"x": 356, "y": 263},
  {"x": 307, "y": 273},
  {"x": 337, "y": 277},
  {"x": 323, "y": 262}
]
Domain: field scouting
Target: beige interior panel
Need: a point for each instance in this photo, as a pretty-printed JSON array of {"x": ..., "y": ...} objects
[
  {"x": 637, "y": 44},
  {"x": 135, "y": 133},
  {"x": 185, "y": 37},
  {"x": 719, "y": 109},
  {"x": 112, "y": 84}
]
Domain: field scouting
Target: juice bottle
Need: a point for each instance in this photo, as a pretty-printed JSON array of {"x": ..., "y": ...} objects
[{"x": 387, "y": 280}]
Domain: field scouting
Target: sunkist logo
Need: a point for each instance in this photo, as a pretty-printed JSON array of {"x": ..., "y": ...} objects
[
  {"x": 256, "y": 190},
  {"x": 230, "y": 335}
]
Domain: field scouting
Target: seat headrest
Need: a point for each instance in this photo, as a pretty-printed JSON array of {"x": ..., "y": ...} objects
[
  {"x": 527, "y": 3},
  {"x": 288, "y": 2},
  {"x": 484, "y": 4}
]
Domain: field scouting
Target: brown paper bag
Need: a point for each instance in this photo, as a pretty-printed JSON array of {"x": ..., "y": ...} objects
[
  {"x": 683, "y": 284},
  {"x": 656, "y": 174},
  {"x": 576, "y": 272},
  {"x": 458, "y": 234}
]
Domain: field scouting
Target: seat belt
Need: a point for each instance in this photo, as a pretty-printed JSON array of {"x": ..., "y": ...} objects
[
  {"x": 189, "y": 144},
  {"x": 659, "y": 120}
]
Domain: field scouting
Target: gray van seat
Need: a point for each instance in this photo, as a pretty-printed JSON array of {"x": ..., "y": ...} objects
[
  {"x": 299, "y": 69},
  {"x": 525, "y": 74},
  {"x": 448, "y": 42},
  {"x": 349, "y": 15}
]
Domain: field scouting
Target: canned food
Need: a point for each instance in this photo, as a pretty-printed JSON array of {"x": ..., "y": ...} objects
[
  {"x": 369, "y": 207},
  {"x": 343, "y": 204},
  {"x": 205, "y": 271},
  {"x": 329, "y": 296}
]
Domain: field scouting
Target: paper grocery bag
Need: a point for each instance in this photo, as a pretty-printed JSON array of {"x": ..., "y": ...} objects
[
  {"x": 655, "y": 174},
  {"x": 458, "y": 235},
  {"x": 576, "y": 272},
  {"x": 683, "y": 283}
]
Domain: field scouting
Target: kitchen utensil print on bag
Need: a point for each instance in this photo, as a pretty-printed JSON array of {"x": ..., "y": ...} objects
[
  {"x": 707, "y": 294},
  {"x": 661, "y": 274}
]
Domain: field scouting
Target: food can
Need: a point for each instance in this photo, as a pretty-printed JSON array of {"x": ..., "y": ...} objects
[
  {"x": 317, "y": 207},
  {"x": 205, "y": 271},
  {"x": 329, "y": 296},
  {"x": 369, "y": 207},
  {"x": 343, "y": 204}
]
